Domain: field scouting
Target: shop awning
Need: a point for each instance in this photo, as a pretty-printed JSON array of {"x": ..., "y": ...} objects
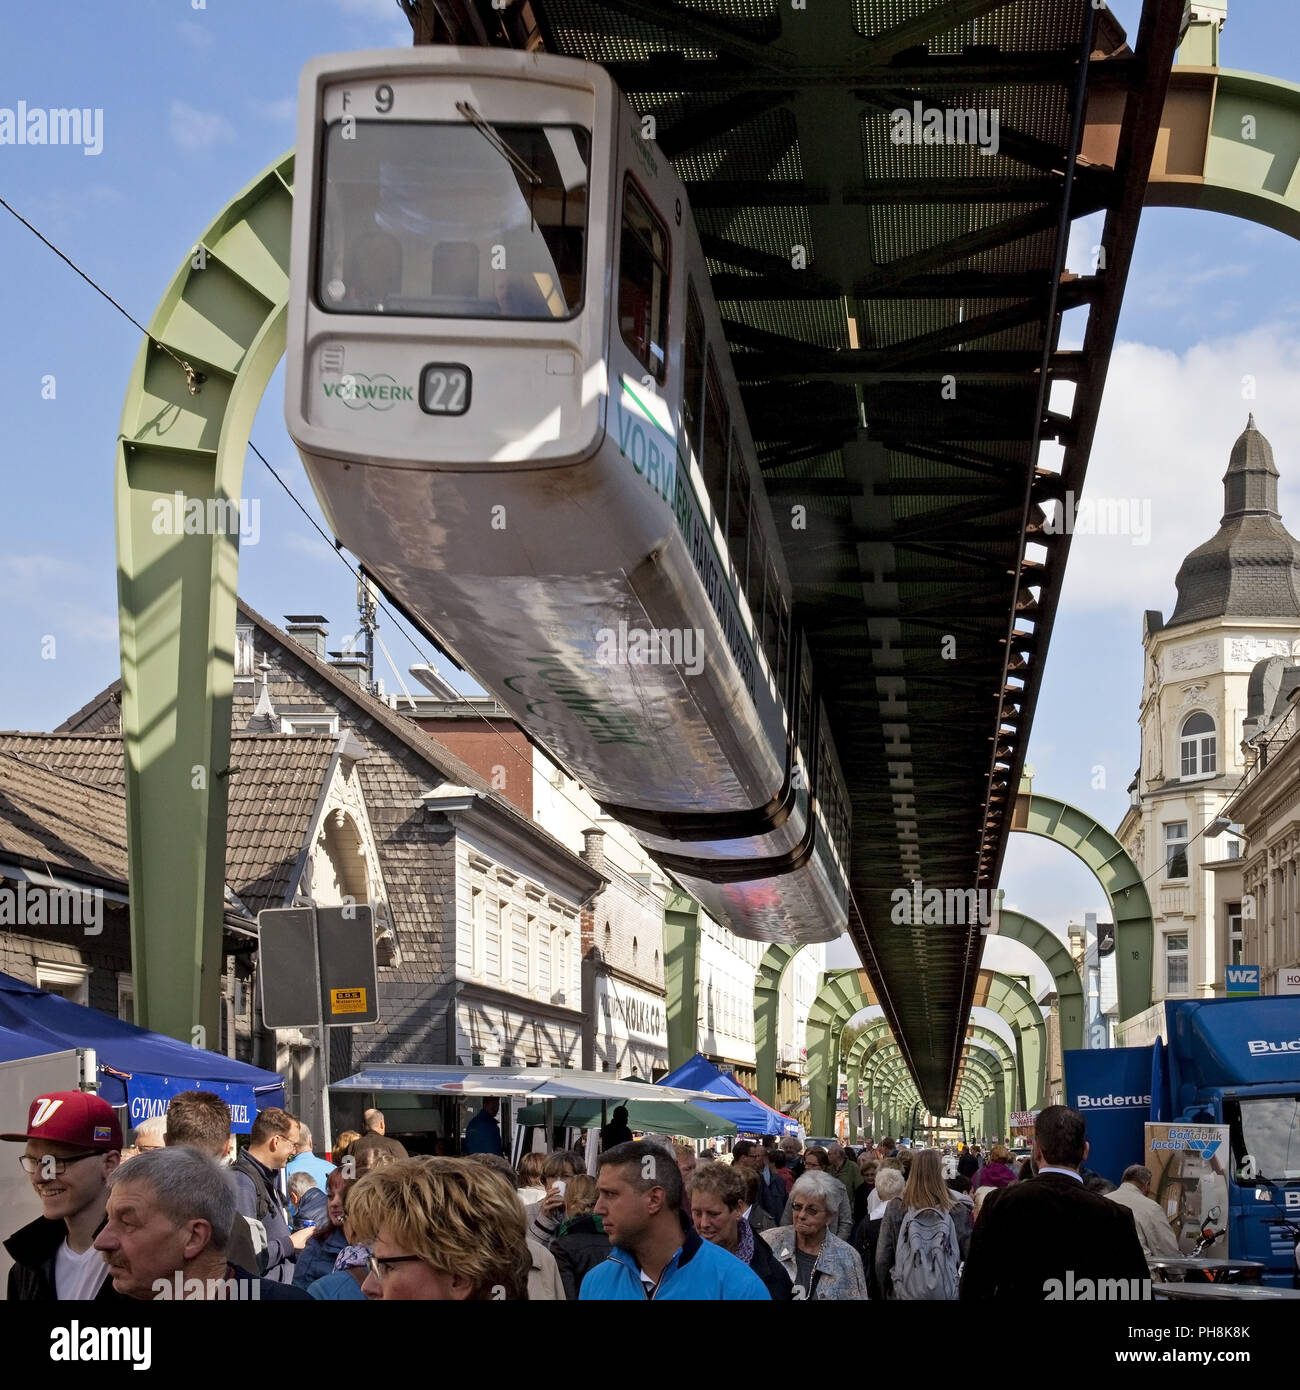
[
  {"x": 135, "y": 1068},
  {"x": 537, "y": 1083},
  {"x": 749, "y": 1114},
  {"x": 673, "y": 1117}
]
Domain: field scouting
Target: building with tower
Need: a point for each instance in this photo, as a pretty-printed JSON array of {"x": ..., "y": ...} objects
[{"x": 1238, "y": 605}]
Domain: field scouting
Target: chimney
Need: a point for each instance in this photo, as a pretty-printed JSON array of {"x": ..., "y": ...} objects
[
  {"x": 593, "y": 850},
  {"x": 350, "y": 664},
  {"x": 309, "y": 630}
]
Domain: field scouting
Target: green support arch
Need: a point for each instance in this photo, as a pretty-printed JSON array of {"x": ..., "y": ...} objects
[
  {"x": 681, "y": 975},
  {"x": 1013, "y": 1001},
  {"x": 1119, "y": 878},
  {"x": 185, "y": 428},
  {"x": 767, "y": 1015},
  {"x": 842, "y": 994},
  {"x": 1048, "y": 947}
]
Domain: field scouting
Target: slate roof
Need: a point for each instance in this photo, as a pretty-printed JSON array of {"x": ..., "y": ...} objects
[
  {"x": 49, "y": 821},
  {"x": 1250, "y": 568},
  {"x": 272, "y": 797},
  {"x": 104, "y": 709}
]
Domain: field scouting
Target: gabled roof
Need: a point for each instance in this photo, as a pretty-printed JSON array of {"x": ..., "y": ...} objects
[
  {"x": 105, "y": 709},
  {"x": 271, "y": 799}
]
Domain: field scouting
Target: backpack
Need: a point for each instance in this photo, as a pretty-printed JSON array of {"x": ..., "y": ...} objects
[{"x": 926, "y": 1256}]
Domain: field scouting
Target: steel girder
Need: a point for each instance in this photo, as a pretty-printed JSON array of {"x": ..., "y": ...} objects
[
  {"x": 1048, "y": 947},
  {"x": 1119, "y": 878}
]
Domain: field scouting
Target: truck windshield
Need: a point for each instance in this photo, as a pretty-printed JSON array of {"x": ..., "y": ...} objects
[
  {"x": 433, "y": 220},
  {"x": 1265, "y": 1138}
]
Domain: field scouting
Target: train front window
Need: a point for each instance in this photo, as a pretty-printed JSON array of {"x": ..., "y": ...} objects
[{"x": 435, "y": 220}]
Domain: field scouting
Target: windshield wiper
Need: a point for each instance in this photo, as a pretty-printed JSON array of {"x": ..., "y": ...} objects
[{"x": 489, "y": 132}]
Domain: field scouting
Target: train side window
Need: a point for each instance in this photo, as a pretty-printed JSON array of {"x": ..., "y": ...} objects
[
  {"x": 693, "y": 370},
  {"x": 738, "y": 515},
  {"x": 713, "y": 462},
  {"x": 805, "y": 712},
  {"x": 783, "y": 647},
  {"x": 772, "y": 616},
  {"x": 643, "y": 283},
  {"x": 757, "y": 554}
]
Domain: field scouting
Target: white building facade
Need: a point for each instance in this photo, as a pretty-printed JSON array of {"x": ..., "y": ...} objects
[{"x": 1238, "y": 604}]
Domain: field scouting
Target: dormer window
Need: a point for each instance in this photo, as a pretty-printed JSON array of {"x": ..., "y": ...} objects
[{"x": 1198, "y": 746}]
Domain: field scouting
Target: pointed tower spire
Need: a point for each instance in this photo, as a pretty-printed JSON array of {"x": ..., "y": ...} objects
[
  {"x": 1251, "y": 567},
  {"x": 1250, "y": 484}
]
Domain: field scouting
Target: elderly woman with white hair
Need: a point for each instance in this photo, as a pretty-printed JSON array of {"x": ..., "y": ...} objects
[
  {"x": 888, "y": 1185},
  {"x": 819, "y": 1263}
]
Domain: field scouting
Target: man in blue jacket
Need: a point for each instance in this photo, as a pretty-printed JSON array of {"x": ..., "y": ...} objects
[{"x": 654, "y": 1254}]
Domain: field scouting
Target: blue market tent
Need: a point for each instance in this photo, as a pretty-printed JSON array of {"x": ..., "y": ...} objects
[
  {"x": 135, "y": 1068},
  {"x": 744, "y": 1109}
]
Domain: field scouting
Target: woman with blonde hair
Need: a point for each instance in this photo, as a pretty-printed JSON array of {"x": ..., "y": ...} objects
[
  {"x": 580, "y": 1244},
  {"x": 446, "y": 1229},
  {"x": 529, "y": 1173},
  {"x": 924, "y": 1235}
]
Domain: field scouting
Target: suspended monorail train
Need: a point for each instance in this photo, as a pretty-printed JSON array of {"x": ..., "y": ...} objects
[{"x": 509, "y": 384}]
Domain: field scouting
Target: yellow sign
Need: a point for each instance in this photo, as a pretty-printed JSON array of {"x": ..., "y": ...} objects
[{"x": 348, "y": 1001}]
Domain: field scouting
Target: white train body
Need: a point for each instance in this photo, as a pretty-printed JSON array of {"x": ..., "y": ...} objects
[{"x": 487, "y": 348}]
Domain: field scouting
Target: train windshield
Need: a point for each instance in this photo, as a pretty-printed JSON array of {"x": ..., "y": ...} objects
[{"x": 454, "y": 220}]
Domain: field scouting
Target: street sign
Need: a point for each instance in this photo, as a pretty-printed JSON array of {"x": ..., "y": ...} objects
[
  {"x": 317, "y": 965},
  {"x": 1242, "y": 979}
]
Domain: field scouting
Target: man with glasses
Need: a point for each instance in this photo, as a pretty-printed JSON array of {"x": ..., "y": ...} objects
[
  {"x": 74, "y": 1142},
  {"x": 272, "y": 1143}
]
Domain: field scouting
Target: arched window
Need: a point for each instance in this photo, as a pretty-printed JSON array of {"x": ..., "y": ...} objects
[
  {"x": 634, "y": 950},
  {"x": 1197, "y": 746}
]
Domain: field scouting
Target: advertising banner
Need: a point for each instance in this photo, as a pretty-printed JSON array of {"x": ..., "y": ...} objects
[
  {"x": 148, "y": 1096},
  {"x": 1189, "y": 1181},
  {"x": 1111, "y": 1089}
]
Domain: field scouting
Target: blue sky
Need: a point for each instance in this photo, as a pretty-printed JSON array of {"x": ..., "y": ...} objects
[{"x": 197, "y": 101}]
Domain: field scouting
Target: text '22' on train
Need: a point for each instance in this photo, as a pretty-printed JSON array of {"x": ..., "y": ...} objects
[{"x": 509, "y": 384}]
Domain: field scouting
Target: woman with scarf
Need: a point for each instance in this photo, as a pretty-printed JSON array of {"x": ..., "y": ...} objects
[{"x": 717, "y": 1196}]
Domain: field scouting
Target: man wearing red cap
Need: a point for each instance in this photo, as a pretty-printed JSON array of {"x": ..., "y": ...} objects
[{"x": 74, "y": 1141}]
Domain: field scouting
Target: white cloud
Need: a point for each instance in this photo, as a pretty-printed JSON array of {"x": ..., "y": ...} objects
[
  {"x": 311, "y": 546},
  {"x": 370, "y": 9},
  {"x": 380, "y": 22},
  {"x": 286, "y": 109},
  {"x": 193, "y": 129},
  {"x": 1168, "y": 422},
  {"x": 43, "y": 589},
  {"x": 195, "y": 33}
]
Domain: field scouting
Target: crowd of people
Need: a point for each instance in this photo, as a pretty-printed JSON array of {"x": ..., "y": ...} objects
[{"x": 176, "y": 1218}]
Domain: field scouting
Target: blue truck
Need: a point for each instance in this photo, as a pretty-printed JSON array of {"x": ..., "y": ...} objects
[{"x": 1236, "y": 1062}]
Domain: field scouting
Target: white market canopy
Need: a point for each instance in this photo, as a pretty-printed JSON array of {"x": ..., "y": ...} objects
[{"x": 537, "y": 1083}]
